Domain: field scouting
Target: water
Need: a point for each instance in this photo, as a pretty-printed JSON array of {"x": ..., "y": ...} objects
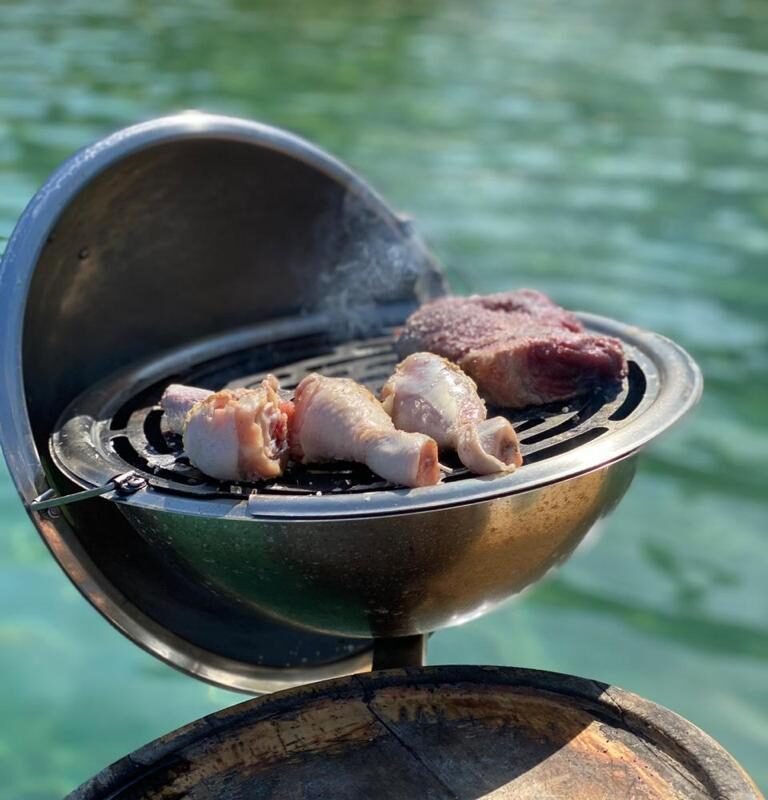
[{"x": 614, "y": 154}]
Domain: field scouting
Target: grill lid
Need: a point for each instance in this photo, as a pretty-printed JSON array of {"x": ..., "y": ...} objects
[{"x": 151, "y": 238}]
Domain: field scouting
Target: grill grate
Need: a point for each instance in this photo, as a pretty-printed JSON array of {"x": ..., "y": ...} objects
[{"x": 137, "y": 434}]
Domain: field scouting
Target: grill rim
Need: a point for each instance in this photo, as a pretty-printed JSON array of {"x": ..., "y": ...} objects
[{"x": 678, "y": 386}]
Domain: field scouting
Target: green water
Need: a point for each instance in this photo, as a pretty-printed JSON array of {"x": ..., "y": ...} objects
[{"x": 611, "y": 153}]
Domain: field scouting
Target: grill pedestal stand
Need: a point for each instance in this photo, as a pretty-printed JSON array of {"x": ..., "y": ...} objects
[{"x": 400, "y": 651}]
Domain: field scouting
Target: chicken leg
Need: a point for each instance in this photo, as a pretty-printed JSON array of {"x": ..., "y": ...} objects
[
  {"x": 338, "y": 419},
  {"x": 428, "y": 394},
  {"x": 240, "y": 434}
]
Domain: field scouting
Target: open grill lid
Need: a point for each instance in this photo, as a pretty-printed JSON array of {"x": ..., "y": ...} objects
[
  {"x": 154, "y": 237},
  {"x": 178, "y": 229}
]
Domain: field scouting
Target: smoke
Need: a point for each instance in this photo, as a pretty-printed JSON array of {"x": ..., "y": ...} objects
[{"x": 368, "y": 261}]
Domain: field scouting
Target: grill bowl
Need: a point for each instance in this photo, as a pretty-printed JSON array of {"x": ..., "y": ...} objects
[{"x": 339, "y": 551}]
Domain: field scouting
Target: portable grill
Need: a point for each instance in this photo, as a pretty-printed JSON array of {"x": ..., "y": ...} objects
[
  {"x": 211, "y": 251},
  {"x": 334, "y": 547}
]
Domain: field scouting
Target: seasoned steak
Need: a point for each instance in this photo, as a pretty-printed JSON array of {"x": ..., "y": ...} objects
[
  {"x": 531, "y": 302},
  {"x": 519, "y": 347}
]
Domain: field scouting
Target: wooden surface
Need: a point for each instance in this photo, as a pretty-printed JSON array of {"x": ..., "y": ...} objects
[{"x": 458, "y": 733}]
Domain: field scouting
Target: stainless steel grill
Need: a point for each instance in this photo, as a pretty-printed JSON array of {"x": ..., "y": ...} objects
[
  {"x": 209, "y": 250},
  {"x": 119, "y": 425}
]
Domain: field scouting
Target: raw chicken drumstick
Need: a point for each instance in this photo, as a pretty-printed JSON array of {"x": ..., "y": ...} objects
[
  {"x": 177, "y": 402},
  {"x": 428, "y": 394},
  {"x": 234, "y": 434},
  {"x": 338, "y": 419}
]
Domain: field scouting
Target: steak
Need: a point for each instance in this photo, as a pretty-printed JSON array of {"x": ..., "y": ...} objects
[{"x": 519, "y": 347}]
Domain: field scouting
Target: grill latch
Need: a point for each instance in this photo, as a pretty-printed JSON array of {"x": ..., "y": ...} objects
[{"x": 125, "y": 484}]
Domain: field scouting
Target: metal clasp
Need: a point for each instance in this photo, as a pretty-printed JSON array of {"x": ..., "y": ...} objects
[{"x": 125, "y": 484}]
